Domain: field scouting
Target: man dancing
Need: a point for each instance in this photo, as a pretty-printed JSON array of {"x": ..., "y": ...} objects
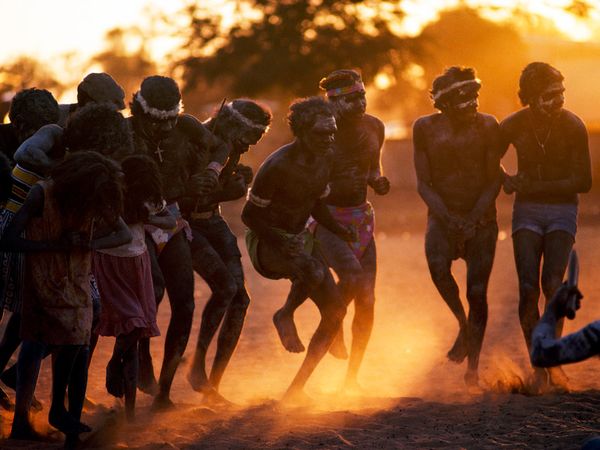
[
  {"x": 215, "y": 252},
  {"x": 177, "y": 143},
  {"x": 456, "y": 155},
  {"x": 554, "y": 167},
  {"x": 289, "y": 187},
  {"x": 356, "y": 165}
]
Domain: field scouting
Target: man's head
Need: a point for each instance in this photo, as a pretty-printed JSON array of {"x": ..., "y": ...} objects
[
  {"x": 456, "y": 93},
  {"x": 100, "y": 88},
  {"x": 244, "y": 122},
  {"x": 313, "y": 123},
  {"x": 346, "y": 92},
  {"x": 100, "y": 128},
  {"x": 30, "y": 110},
  {"x": 157, "y": 105},
  {"x": 541, "y": 87}
]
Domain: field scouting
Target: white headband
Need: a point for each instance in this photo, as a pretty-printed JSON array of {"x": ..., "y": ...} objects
[
  {"x": 158, "y": 113},
  {"x": 249, "y": 123},
  {"x": 458, "y": 84}
]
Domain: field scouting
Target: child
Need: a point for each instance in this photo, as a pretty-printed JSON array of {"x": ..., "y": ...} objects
[
  {"x": 58, "y": 218},
  {"x": 125, "y": 280}
]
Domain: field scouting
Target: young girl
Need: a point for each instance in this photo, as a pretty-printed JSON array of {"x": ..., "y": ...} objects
[
  {"x": 125, "y": 280},
  {"x": 58, "y": 217}
]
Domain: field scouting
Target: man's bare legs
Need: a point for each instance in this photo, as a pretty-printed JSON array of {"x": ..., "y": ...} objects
[
  {"x": 439, "y": 259},
  {"x": 323, "y": 291},
  {"x": 479, "y": 256},
  {"x": 528, "y": 249}
]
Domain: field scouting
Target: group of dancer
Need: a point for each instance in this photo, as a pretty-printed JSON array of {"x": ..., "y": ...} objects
[{"x": 104, "y": 214}]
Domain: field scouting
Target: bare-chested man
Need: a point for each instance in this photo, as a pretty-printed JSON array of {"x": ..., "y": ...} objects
[
  {"x": 458, "y": 170},
  {"x": 289, "y": 187},
  {"x": 356, "y": 165},
  {"x": 190, "y": 159},
  {"x": 215, "y": 253},
  {"x": 553, "y": 167}
]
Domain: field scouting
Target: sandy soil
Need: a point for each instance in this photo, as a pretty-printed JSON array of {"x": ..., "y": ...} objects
[{"x": 413, "y": 397}]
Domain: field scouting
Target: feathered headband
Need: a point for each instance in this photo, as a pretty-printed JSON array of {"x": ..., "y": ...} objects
[
  {"x": 241, "y": 118},
  {"x": 156, "y": 113}
]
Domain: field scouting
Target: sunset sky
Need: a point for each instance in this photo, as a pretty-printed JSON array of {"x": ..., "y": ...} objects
[{"x": 45, "y": 29}]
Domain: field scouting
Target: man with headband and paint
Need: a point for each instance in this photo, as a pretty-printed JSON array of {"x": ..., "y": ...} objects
[
  {"x": 553, "y": 168},
  {"x": 290, "y": 187},
  {"x": 356, "y": 166},
  {"x": 457, "y": 160},
  {"x": 190, "y": 159},
  {"x": 215, "y": 253}
]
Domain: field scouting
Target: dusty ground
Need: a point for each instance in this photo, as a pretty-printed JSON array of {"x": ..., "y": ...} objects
[{"x": 413, "y": 397}]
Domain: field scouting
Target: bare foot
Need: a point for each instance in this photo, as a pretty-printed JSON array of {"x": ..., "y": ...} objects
[
  {"x": 199, "y": 381},
  {"x": 162, "y": 403},
  {"x": 286, "y": 328},
  {"x": 338, "y": 348},
  {"x": 353, "y": 388},
  {"x": 538, "y": 383},
  {"x": 458, "y": 352},
  {"x": 296, "y": 398},
  {"x": 213, "y": 399},
  {"x": 114, "y": 378},
  {"x": 559, "y": 381},
  {"x": 146, "y": 380}
]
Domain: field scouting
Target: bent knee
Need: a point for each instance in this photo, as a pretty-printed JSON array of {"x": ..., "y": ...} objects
[{"x": 529, "y": 291}]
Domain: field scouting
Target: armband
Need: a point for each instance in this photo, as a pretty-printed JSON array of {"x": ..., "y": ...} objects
[{"x": 257, "y": 201}]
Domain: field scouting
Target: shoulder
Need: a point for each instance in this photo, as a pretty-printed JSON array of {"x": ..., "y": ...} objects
[
  {"x": 275, "y": 162},
  {"x": 573, "y": 121},
  {"x": 373, "y": 122},
  {"x": 488, "y": 120},
  {"x": 427, "y": 121},
  {"x": 514, "y": 119}
]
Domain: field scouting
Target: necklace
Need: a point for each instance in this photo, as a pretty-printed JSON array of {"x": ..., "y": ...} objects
[{"x": 541, "y": 144}]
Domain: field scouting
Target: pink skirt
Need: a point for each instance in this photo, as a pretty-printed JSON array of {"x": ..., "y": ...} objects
[{"x": 126, "y": 294}]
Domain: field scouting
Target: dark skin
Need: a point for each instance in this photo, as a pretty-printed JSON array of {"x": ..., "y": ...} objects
[
  {"x": 293, "y": 180},
  {"x": 356, "y": 156},
  {"x": 553, "y": 167},
  {"x": 182, "y": 147},
  {"x": 12, "y": 241},
  {"x": 223, "y": 273},
  {"x": 457, "y": 163}
]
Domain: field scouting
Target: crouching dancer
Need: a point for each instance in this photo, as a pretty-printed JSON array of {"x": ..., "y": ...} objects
[
  {"x": 289, "y": 187},
  {"x": 457, "y": 160}
]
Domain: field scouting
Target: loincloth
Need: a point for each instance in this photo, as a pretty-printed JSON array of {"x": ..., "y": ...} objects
[
  {"x": 252, "y": 242},
  {"x": 360, "y": 218},
  {"x": 161, "y": 237}
]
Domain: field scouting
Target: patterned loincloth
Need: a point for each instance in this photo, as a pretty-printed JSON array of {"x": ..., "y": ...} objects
[{"x": 361, "y": 218}]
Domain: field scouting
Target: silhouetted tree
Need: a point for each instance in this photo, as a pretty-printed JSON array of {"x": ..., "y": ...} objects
[
  {"x": 287, "y": 46},
  {"x": 128, "y": 66}
]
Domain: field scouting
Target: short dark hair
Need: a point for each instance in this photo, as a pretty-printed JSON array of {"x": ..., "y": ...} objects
[
  {"x": 535, "y": 77},
  {"x": 339, "y": 78},
  {"x": 159, "y": 92},
  {"x": 86, "y": 182},
  {"x": 450, "y": 76},
  {"x": 304, "y": 112},
  {"x": 101, "y": 128},
  {"x": 34, "y": 107}
]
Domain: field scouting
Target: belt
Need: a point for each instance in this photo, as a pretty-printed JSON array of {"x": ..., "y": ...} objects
[{"x": 206, "y": 214}]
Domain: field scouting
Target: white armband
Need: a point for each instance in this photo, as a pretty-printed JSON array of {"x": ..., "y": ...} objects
[{"x": 257, "y": 201}]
